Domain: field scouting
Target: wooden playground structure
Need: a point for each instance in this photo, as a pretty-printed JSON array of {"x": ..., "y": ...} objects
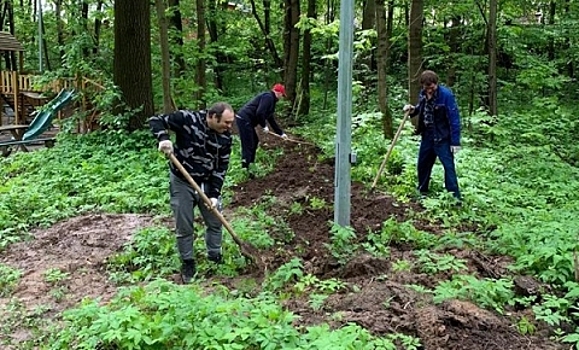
[{"x": 21, "y": 97}]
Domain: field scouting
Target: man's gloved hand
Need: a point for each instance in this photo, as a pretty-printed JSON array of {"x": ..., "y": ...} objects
[
  {"x": 214, "y": 202},
  {"x": 284, "y": 136},
  {"x": 266, "y": 130},
  {"x": 408, "y": 108},
  {"x": 166, "y": 146},
  {"x": 454, "y": 149}
]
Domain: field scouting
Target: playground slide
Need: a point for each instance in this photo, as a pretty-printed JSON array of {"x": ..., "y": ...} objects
[{"x": 43, "y": 119}]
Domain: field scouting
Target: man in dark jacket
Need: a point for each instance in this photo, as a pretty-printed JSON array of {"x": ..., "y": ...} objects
[
  {"x": 256, "y": 112},
  {"x": 203, "y": 146},
  {"x": 439, "y": 125}
]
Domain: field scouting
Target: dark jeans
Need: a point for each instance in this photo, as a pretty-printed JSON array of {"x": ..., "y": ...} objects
[
  {"x": 184, "y": 199},
  {"x": 429, "y": 150},
  {"x": 249, "y": 141}
]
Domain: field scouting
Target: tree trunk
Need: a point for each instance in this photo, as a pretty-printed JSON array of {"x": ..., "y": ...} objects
[
  {"x": 165, "y": 60},
  {"x": 200, "y": 75},
  {"x": 493, "y": 108},
  {"x": 267, "y": 16},
  {"x": 291, "y": 47},
  {"x": 132, "y": 58},
  {"x": 216, "y": 27},
  {"x": 84, "y": 19},
  {"x": 97, "y": 29},
  {"x": 177, "y": 39},
  {"x": 382, "y": 63},
  {"x": 453, "y": 42},
  {"x": 304, "y": 105},
  {"x": 59, "y": 28},
  {"x": 268, "y": 40},
  {"x": 382, "y": 66},
  {"x": 330, "y": 15},
  {"x": 415, "y": 50},
  {"x": 368, "y": 21}
]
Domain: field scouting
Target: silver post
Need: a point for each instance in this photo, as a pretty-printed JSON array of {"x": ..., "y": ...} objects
[{"x": 342, "y": 181}]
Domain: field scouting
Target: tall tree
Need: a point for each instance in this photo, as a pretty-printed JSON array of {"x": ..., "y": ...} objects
[
  {"x": 265, "y": 30},
  {"x": 200, "y": 75},
  {"x": 493, "y": 104},
  {"x": 304, "y": 105},
  {"x": 165, "y": 59},
  {"x": 291, "y": 47},
  {"x": 216, "y": 27},
  {"x": 97, "y": 28},
  {"x": 177, "y": 36},
  {"x": 132, "y": 58},
  {"x": 415, "y": 49},
  {"x": 382, "y": 65}
]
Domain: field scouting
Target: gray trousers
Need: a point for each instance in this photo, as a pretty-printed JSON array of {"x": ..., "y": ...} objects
[{"x": 183, "y": 201}]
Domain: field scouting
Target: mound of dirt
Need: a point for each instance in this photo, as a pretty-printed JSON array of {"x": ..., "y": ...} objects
[
  {"x": 381, "y": 300},
  {"x": 77, "y": 248}
]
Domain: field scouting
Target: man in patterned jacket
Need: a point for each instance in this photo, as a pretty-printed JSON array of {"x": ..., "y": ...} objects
[{"x": 203, "y": 146}]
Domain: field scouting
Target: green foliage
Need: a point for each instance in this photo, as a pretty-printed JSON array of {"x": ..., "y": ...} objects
[
  {"x": 432, "y": 263},
  {"x": 55, "y": 276},
  {"x": 288, "y": 272},
  {"x": 487, "y": 293},
  {"x": 98, "y": 171},
  {"x": 405, "y": 232},
  {"x": 9, "y": 278},
  {"x": 150, "y": 254},
  {"x": 156, "y": 316},
  {"x": 342, "y": 243}
]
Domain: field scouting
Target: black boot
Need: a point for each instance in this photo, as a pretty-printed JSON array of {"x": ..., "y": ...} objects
[
  {"x": 188, "y": 270},
  {"x": 216, "y": 258}
]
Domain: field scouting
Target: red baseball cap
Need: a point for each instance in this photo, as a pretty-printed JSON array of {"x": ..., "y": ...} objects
[{"x": 279, "y": 88}]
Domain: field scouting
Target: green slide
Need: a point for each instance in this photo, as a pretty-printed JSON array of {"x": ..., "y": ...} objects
[{"x": 42, "y": 121}]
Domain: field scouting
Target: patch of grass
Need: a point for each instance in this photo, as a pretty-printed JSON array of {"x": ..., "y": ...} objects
[{"x": 9, "y": 278}]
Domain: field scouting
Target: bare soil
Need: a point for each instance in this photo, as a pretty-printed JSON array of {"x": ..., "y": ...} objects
[{"x": 377, "y": 296}]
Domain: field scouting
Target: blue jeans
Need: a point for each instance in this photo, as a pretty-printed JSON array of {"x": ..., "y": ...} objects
[{"x": 429, "y": 150}]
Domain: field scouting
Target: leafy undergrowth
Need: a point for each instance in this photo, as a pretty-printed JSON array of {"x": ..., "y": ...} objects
[{"x": 496, "y": 273}]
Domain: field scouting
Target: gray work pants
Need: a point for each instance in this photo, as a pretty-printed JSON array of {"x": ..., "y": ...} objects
[{"x": 183, "y": 201}]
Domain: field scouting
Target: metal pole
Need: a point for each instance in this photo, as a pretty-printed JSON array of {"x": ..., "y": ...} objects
[
  {"x": 39, "y": 9},
  {"x": 342, "y": 180}
]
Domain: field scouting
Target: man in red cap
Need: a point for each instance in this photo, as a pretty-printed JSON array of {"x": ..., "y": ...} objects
[{"x": 256, "y": 112}]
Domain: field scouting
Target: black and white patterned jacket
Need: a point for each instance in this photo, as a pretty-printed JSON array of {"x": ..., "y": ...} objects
[{"x": 203, "y": 152}]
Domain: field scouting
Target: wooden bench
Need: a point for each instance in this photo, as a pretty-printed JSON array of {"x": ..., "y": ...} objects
[{"x": 5, "y": 149}]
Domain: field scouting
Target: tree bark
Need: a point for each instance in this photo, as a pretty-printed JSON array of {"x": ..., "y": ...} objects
[
  {"x": 59, "y": 27},
  {"x": 368, "y": 22},
  {"x": 493, "y": 107},
  {"x": 415, "y": 50},
  {"x": 453, "y": 42},
  {"x": 304, "y": 105},
  {"x": 165, "y": 59},
  {"x": 132, "y": 58},
  {"x": 291, "y": 47},
  {"x": 216, "y": 27},
  {"x": 268, "y": 40},
  {"x": 200, "y": 75},
  {"x": 97, "y": 29},
  {"x": 176, "y": 22},
  {"x": 382, "y": 66}
]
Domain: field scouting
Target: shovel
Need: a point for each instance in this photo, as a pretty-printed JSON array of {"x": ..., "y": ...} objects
[
  {"x": 398, "y": 132},
  {"x": 247, "y": 250},
  {"x": 291, "y": 140}
]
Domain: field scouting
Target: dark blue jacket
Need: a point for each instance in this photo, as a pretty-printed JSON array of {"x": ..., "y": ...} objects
[
  {"x": 446, "y": 116},
  {"x": 261, "y": 109}
]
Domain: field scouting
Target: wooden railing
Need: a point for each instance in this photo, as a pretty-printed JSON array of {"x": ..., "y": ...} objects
[
  {"x": 25, "y": 83},
  {"x": 16, "y": 85}
]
